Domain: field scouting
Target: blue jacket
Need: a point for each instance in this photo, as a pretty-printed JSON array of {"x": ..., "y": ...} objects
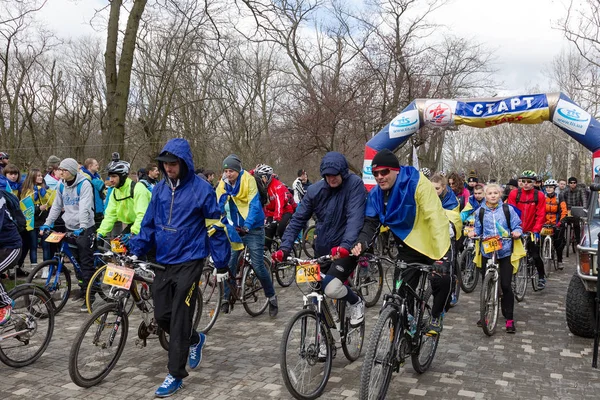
[
  {"x": 495, "y": 224},
  {"x": 9, "y": 235},
  {"x": 340, "y": 211},
  {"x": 176, "y": 218}
]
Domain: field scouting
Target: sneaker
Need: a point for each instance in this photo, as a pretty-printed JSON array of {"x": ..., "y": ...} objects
[
  {"x": 273, "y": 307},
  {"x": 195, "y": 355},
  {"x": 453, "y": 300},
  {"x": 20, "y": 273},
  {"x": 435, "y": 327},
  {"x": 225, "y": 307},
  {"x": 510, "y": 326},
  {"x": 5, "y": 314},
  {"x": 79, "y": 296},
  {"x": 357, "y": 313},
  {"x": 169, "y": 386},
  {"x": 479, "y": 324},
  {"x": 83, "y": 307},
  {"x": 561, "y": 265},
  {"x": 541, "y": 283}
]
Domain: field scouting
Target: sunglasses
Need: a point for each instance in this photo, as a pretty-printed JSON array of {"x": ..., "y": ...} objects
[
  {"x": 572, "y": 183},
  {"x": 382, "y": 172},
  {"x": 525, "y": 181}
]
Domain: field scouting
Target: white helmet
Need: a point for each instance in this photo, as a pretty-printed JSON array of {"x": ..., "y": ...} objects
[
  {"x": 551, "y": 182},
  {"x": 264, "y": 170}
]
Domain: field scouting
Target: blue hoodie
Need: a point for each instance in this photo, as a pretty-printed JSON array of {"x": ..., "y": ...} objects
[
  {"x": 495, "y": 224},
  {"x": 340, "y": 211},
  {"x": 176, "y": 218}
]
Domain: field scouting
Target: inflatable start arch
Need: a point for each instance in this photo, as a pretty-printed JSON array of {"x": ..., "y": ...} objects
[{"x": 482, "y": 113}]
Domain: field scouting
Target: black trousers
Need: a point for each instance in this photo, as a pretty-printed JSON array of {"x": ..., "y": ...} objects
[
  {"x": 174, "y": 293},
  {"x": 86, "y": 243},
  {"x": 534, "y": 249},
  {"x": 270, "y": 232},
  {"x": 505, "y": 272}
]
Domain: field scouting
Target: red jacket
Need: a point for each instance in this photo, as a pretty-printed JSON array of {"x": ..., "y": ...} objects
[
  {"x": 532, "y": 216},
  {"x": 278, "y": 201}
]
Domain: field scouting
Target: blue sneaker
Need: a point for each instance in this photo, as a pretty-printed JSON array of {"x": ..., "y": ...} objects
[
  {"x": 541, "y": 284},
  {"x": 169, "y": 386},
  {"x": 196, "y": 352},
  {"x": 453, "y": 300}
]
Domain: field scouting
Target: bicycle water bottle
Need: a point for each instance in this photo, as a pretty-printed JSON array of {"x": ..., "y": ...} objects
[{"x": 412, "y": 325}]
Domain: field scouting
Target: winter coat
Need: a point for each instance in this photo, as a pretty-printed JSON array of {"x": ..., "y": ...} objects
[
  {"x": 78, "y": 204},
  {"x": 495, "y": 224},
  {"x": 122, "y": 207}
]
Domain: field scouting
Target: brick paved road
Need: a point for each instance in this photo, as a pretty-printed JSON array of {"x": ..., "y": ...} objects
[{"x": 241, "y": 360}]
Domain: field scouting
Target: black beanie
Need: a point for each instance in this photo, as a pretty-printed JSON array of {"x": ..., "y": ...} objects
[
  {"x": 385, "y": 159},
  {"x": 232, "y": 162}
]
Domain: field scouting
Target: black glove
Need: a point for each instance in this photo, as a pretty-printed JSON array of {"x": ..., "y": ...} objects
[
  {"x": 242, "y": 230},
  {"x": 223, "y": 270},
  {"x": 272, "y": 225}
]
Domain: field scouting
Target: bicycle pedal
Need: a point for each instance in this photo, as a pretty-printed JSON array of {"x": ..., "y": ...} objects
[{"x": 140, "y": 343}]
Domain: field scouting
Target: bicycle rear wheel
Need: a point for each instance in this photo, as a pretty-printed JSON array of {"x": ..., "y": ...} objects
[
  {"x": 98, "y": 345},
  {"x": 25, "y": 337},
  {"x": 285, "y": 273},
  {"x": 547, "y": 255},
  {"x": 309, "y": 241},
  {"x": 354, "y": 336},
  {"x": 423, "y": 355},
  {"x": 488, "y": 306},
  {"x": 379, "y": 362},
  {"x": 369, "y": 281},
  {"x": 212, "y": 296},
  {"x": 163, "y": 337},
  {"x": 58, "y": 285},
  {"x": 569, "y": 238},
  {"x": 469, "y": 272},
  {"x": 253, "y": 294},
  {"x": 304, "y": 372},
  {"x": 533, "y": 275},
  {"x": 520, "y": 280}
]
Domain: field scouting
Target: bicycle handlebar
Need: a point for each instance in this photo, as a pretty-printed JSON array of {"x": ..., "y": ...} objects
[
  {"x": 489, "y": 237},
  {"x": 319, "y": 260},
  {"x": 144, "y": 264}
]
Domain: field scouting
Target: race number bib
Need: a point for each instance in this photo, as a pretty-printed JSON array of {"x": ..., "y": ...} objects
[
  {"x": 117, "y": 247},
  {"x": 55, "y": 237},
  {"x": 308, "y": 273},
  {"x": 492, "y": 244},
  {"x": 117, "y": 276}
]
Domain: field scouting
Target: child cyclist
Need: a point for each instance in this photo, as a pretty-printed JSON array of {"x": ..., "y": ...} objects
[{"x": 495, "y": 224}]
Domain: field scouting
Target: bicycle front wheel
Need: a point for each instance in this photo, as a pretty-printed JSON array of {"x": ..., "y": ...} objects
[
  {"x": 25, "y": 337},
  {"x": 309, "y": 241},
  {"x": 306, "y": 355},
  {"x": 105, "y": 292},
  {"x": 285, "y": 273},
  {"x": 98, "y": 345},
  {"x": 354, "y": 336},
  {"x": 423, "y": 355},
  {"x": 58, "y": 284},
  {"x": 370, "y": 281},
  {"x": 533, "y": 275},
  {"x": 520, "y": 280},
  {"x": 253, "y": 294},
  {"x": 469, "y": 272},
  {"x": 379, "y": 362},
  {"x": 547, "y": 254},
  {"x": 212, "y": 296},
  {"x": 488, "y": 306}
]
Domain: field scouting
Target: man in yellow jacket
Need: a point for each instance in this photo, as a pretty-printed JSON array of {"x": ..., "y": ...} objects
[{"x": 126, "y": 204}]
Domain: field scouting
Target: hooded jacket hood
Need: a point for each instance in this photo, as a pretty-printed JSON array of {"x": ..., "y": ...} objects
[
  {"x": 336, "y": 161},
  {"x": 180, "y": 148}
]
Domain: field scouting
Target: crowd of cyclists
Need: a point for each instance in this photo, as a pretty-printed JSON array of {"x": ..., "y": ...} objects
[{"x": 185, "y": 217}]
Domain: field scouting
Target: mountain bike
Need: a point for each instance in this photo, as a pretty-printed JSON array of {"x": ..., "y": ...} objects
[
  {"x": 26, "y": 335},
  {"x": 367, "y": 278},
  {"x": 570, "y": 236},
  {"x": 385, "y": 244},
  {"x": 101, "y": 339},
  {"x": 490, "y": 291},
  {"x": 468, "y": 269},
  {"x": 526, "y": 271},
  {"x": 55, "y": 276},
  {"x": 245, "y": 287},
  {"x": 548, "y": 249},
  {"x": 283, "y": 271},
  {"x": 308, "y": 241},
  {"x": 310, "y": 339},
  {"x": 400, "y": 333}
]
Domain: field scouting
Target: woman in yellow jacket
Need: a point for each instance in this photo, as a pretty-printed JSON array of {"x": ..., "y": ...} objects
[{"x": 126, "y": 204}]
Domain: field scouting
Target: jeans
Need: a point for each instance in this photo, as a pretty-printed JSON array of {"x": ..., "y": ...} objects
[{"x": 254, "y": 241}]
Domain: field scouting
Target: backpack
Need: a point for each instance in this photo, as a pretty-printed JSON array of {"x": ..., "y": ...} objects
[
  {"x": 506, "y": 215},
  {"x": 262, "y": 190},
  {"x": 131, "y": 192},
  {"x": 95, "y": 206},
  {"x": 14, "y": 210},
  {"x": 535, "y": 197}
]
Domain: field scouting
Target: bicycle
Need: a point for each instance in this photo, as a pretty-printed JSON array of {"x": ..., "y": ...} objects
[
  {"x": 88, "y": 367},
  {"x": 310, "y": 338},
  {"x": 400, "y": 332},
  {"x": 367, "y": 278},
  {"x": 308, "y": 241},
  {"x": 548, "y": 249},
  {"x": 245, "y": 288},
  {"x": 570, "y": 234},
  {"x": 490, "y": 297},
  {"x": 468, "y": 269},
  {"x": 55, "y": 276},
  {"x": 284, "y": 272},
  {"x": 385, "y": 243},
  {"x": 526, "y": 271},
  {"x": 30, "y": 327}
]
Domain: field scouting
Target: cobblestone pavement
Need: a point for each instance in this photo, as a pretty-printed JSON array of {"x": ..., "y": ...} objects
[{"x": 241, "y": 359}]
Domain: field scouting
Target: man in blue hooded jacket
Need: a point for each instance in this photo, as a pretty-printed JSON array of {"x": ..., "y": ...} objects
[
  {"x": 175, "y": 223},
  {"x": 338, "y": 201}
]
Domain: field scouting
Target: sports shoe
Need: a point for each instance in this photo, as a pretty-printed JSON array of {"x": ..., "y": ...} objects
[
  {"x": 195, "y": 355},
  {"x": 83, "y": 307},
  {"x": 510, "y": 326},
  {"x": 479, "y": 324},
  {"x": 169, "y": 386},
  {"x": 435, "y": 327},
  {"x": 561, "y": 265},
  {"x": 20, "y": 273},
  {"x": 541, "y": 283},
  {"x": 273, "y": 307},
  {"x": 5, "y": 314},
  {"x": 357, "y": 312},
  {"x": 225, "y": 307},
  {"x": 453, "y": 300}
]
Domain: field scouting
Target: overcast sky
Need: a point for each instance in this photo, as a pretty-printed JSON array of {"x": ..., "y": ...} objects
[{"x": 519, "y": 31}]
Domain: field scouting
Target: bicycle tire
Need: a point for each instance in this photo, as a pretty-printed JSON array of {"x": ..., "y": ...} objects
[
  {"x": 376, "y": 389},
  {"x": 308, "y": 242},
  {"x": 547, "y": 254},
  {"x": 374, "y": 268},
  {"x": 520, "y": 280},
  {"x": 568, "y": 237},
  {"x": 354, "y": 336},
  {"x": 554, "y": 259},
  {"x": 533, "y": 275},
  {"x": 163, "y": 336},
  {"x": 252, "y": 291},
  {"x": 105, "y": 292},
  {"x": 212, "y": 297},
  {"x": 309, "y": 354},
  {"x": 488, "y": 305},
  {"x": 97, "y": 320},
  {"x": 470, "y": 275},
  {"x": 285, "y": 273},
  {"x": 423, "y": 322},
  {"x": 25, "y": 298},
  {"x": 36, "y": 277}
]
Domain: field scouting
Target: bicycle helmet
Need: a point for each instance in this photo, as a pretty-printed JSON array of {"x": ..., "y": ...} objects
[
  {"x": 120, "y": 168},
  {"x": 551, "y": 182},
  {"x": 528, "y": 174},
  {"x": 264, "y": 170},
  {"x": 4, "y": 156},
  {"x": 426, "y": 171}
]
